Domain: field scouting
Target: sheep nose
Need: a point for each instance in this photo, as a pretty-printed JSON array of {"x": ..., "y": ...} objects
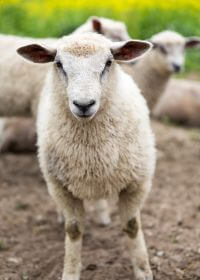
[
  {"x": 84, "y": 107},
  {"x": 177, "y": 68}
]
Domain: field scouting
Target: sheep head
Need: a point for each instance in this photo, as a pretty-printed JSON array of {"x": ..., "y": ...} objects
[{"x": 85, "y": 68}]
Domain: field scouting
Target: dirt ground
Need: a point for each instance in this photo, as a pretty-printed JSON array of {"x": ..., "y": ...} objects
[{"x": 32, "y": 242}]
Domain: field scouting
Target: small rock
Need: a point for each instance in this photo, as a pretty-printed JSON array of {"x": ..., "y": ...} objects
[
  {"x": 25, "y": 276},
  {"x": 160, "y": 253},
  {"x": 156, "y": 261},
  {"x": 40, "y": 220},
  {"x": 14, "y": 260}
]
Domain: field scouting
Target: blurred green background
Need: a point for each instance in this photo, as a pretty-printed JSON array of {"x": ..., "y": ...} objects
[{"x": 51, "y": 18}]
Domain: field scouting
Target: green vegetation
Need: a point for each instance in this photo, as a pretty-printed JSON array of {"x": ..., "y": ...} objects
[{"x": 142, "y": 22}]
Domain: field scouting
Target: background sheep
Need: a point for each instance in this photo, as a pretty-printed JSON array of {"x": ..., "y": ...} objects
[
  {"x": 152, "y": 72},
  {"x": 18, "y": 135},
  {"x": 94, "y": 138},
  {"x": 111, "y": 29},
  {"x": 21, "y": 82},
  {"x": 180, "y": 102}
]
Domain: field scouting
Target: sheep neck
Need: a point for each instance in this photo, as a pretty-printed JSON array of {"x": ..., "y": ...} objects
[{"x": 151, "y": 81}]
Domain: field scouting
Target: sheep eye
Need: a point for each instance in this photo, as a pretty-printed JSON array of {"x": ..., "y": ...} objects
[
  {"x": 108, "y": 63},
  {"x": 163, "y": 50},
  {"x": 60, "y": 66}
]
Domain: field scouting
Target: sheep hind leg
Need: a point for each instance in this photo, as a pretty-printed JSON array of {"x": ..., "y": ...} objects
[
  {"x": 60, "y": 216},
  {"x": 131, "y": 223},
  {"x": 103, "y": 212},
  {"x": 73, "y": 211},
  {"x": 100, "y": 207}
]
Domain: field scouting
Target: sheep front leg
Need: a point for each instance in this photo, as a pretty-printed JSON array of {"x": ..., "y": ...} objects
[
  {"x": 73, "y": 211},
  {"x": 130, "y": 204}
]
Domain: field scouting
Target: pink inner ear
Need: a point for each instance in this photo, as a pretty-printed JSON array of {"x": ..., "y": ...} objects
[
  {"x": 42, "y": 56},
  {"x": 131, "y": 50},
  {"x": 192, "y": 43},
  {"x": 37, "y": 53},
  {"x": 128, "y": 53},
  {"x": 97, "y": 26}
]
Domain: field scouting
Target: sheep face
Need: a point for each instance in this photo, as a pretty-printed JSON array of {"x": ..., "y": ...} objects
[
  {"x": 168, "y": 50},
  {"x": 170, "y": 56},
  {"x": 85, "y": 69}
]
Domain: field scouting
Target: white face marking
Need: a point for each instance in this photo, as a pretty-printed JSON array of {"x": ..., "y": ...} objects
[{"x": 85, "y": 78}]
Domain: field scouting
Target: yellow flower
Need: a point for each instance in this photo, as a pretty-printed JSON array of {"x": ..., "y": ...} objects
[{"x": 48, "y": 7}]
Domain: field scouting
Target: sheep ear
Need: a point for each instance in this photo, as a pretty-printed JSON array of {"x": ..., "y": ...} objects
[
  {"x": 130, "y": 50},
  {"x": 96, "y": 25},
  {"x": 192, "y": 42},
  {"x": 37, "y": 53}
]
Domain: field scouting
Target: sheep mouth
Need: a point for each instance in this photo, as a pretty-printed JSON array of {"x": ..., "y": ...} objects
[{"x": 84, "y": 116}]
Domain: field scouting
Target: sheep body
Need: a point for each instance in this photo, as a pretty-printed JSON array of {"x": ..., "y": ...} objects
[
  {"x": 97, "y": 151},
  {"x": 151, "y": 81},
  {"x": 17, "y": 135},
  {"x": 20, "y": 81},
  {"x": 180, "y": 102}
]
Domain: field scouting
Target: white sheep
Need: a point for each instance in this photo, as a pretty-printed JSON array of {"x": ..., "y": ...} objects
[
  {"x": 21, "y": 82},
  {"x": 17, "y": 135},
  {"x": 94, "y": 138},
  {"x": 180, "y": 102},
  {"x": 111, "y": 29},
  {"x": 152, "y": 72}
]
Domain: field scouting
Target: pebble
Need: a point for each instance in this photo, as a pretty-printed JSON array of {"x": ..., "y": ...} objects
[
  {"x": 14, "y": 260},
  {"x": 160, "y": 253}
]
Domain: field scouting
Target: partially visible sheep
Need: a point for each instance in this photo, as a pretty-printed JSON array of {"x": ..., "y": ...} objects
[
  {"x": 94, "y": 138},
  {"x": 152, "y": 72},
  {"x": 111, "y": 29},
  {"x": 21, "y": 82},
  {"x": 18, "y": 135},
  {"x": 180, "y": 103}
]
